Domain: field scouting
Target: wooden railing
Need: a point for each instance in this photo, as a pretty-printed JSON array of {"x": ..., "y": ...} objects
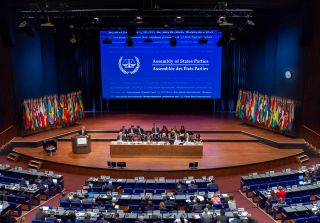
[
  {"x": 311, "y": 136},
  {"x": 6, "y": 135}
]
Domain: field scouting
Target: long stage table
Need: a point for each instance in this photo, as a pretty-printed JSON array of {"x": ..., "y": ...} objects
[{"x": 155, "y": 150}]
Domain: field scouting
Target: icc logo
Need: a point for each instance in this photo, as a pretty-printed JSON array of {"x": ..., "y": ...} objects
[{"x": 129, "y": 65}]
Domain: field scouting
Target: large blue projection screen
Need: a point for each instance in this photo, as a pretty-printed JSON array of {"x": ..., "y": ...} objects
[{"x": 158, "y": 70}]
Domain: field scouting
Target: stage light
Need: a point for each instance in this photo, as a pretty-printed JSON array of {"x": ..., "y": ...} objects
[
  {"x": 106, "y": 40},
  {"x": 224, "y": 25},
  {"x": 25, "y": 26},
  {"x": 48, "y": 26},
  {"x": 73, "y": 39},
  {"x": 139, "y": 20},
  {"x": 129, "y": 41},
  {"x": 148, "y": 40},
  {"x": 203, "y": 40},
  {"x": 250, "y": 23},
  {"x": 288, "y": 74},
  {"x": 95, "y": 20},
  {"x": 178, "y": 19},
  {"x": 173, "y": 41}
]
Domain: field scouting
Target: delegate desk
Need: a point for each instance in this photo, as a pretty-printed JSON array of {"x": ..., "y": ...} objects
[
  {"x": 127, "y": 149},
  {"x": 132, "y": 217}
]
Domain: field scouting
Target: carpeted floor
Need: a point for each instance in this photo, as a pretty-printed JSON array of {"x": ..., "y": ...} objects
[{"x": 227, "y": 184}]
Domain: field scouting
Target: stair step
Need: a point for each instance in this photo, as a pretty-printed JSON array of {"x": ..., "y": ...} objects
[
  {"x": 35, "y": 164},
  {"x": 304, "y": 159},
  {"x": 302, "y": 156},
  {"x": 13, "y": 157}
]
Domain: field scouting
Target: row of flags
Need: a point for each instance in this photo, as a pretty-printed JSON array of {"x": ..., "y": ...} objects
[
  {"x": 270, "y": 111},
  {"x": 52, "y": 111}
]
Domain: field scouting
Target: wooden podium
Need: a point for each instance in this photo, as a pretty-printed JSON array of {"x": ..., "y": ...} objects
[{"x": 81, "y": 144}]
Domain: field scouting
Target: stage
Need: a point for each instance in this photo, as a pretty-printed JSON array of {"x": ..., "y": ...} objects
[{"x": 229, "y": 146}]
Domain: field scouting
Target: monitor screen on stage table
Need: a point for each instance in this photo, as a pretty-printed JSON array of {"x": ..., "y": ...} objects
[
  {"x": 152, "y": 68},
  {"x": 82, "y": 141}
]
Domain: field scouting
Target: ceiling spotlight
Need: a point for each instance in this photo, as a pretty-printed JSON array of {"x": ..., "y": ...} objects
[
  {"x": 250, "y": 22},
  {"x": 148, "y": 40},
  {"x": 129, "y": 41},
  {"x": 221, "y": 19},
  {"x": 224, "y": 25},
  {"x": 73, "y": 39},
  {"x": 25, "y": 26},
  {"x": 178, "y": 19},
  {"x": 203, "y": 40},
  {"x": 95, "y": 20},
  {"x": 107, "y": 40},
  {"x": 139, "y": 20},
  {"x": 173, "y": 41},
  {"x": 48, "y": 26}
]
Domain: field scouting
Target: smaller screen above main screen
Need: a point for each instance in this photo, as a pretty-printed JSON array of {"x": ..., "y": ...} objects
[{"x": 158, "y": 70}]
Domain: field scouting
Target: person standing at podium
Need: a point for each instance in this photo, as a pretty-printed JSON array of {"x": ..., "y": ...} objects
[{"x": 83, "y": 131}]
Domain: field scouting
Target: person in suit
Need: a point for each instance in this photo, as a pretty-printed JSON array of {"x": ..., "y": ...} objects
[
  {"x": 181, "y": 220},
  {"x": 131, "y": 130},
  {"x": 155, "y": 130},
  {"x": 83, "y": 131},
  {"x": 123, "y": 130},
  {"x": 23, "y": 182},
  {"x": 140, "y": 219},
  {"x": 192, "y": 186},
  {"x": 197, "y": 206},
  {"x": 179, "y": 188},
  {"x": 131, "y": 133},
  {"x": 3, "y": 194},
  {"x": 164, "y": 137},
  {"x": 164, "y": 130},
  {"x": 86, "y": 199},
  {"x": 148, "y": 137},
  {"x": 40, "y": 215},
  {"x": 121, "y": 137},
  {"x": 206, "y": 217},
  {"x": 64, "y": 198},
  {"x": 117, "y": 218},
  {"x": 75, "y": 198},
  {"x": 139, "y": 130},
  {"x": 222, "y": 218},
  {"x": 212, "y": 186},
  {"x": 169, "y": 203},
  {"x": 51, "y": 218}
]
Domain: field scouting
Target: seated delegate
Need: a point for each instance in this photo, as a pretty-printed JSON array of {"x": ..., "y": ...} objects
[{"x": 155, "y": 135}]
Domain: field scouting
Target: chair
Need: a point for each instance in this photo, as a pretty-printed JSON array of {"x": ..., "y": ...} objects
[
  {"x": 159, "y": 191},
  {"x": 314, "y": 219},
  {"x": 301, "y": 220}
]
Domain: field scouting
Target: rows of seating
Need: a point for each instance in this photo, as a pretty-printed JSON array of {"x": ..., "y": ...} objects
[
  {"x": 22, "y": 189},
  {"x": 165, "y": 199},
  {"x": 298, "y": 200},
  {"x": 138, "y": 203},
  {"x": 94, "y": 215},
  {"x": 156, "y": 185}
]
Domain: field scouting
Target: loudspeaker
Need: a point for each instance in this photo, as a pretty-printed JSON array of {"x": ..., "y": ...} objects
[
  {"x": 193, "y": 165},
  {"x": 121, "y": 164},
  {"x": 112, "y": 164}
]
